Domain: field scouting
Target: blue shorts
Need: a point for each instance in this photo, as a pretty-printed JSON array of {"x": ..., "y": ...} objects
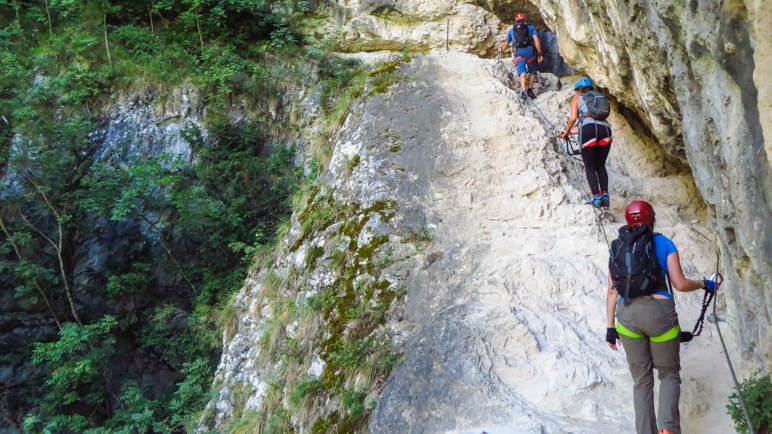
[{"x": 525, "y": 60}]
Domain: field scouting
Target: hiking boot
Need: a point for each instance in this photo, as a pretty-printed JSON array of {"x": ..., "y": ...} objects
[
  {"x": 523, "y": 96},
  {"x": 604, "y": 200},
  {"x": 595, "y": 201},
  {"x": 664, "y": 431},
  {"x": 531, "y": 94}
]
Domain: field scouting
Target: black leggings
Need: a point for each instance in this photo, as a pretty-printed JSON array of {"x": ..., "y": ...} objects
[{"x": 594, "y": 158}]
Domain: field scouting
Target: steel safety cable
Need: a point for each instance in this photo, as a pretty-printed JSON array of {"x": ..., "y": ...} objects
[{"x": 719, "y": 279}]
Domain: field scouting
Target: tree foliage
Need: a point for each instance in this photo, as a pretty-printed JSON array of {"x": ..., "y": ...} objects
[{"x": 134, "y": 348}]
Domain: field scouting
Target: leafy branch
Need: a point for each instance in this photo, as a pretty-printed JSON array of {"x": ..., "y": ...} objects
[
  {"x": 58, "y": 246},
  {"x": 34, "y": 279}
]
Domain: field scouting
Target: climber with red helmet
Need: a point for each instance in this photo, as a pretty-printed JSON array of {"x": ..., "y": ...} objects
[
  {"x": 591, "y": 108},
  {"x": 526, "y": 48},
  {"x": 646, "y": 321}
]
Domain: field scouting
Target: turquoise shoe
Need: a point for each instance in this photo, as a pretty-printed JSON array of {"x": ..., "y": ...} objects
[{"x": 595, "y": 201}]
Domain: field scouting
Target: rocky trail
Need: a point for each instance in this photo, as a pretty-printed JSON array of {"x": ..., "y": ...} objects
[
  {"x": 503, "y": 323},
  {"x": 520, "y": 318}
]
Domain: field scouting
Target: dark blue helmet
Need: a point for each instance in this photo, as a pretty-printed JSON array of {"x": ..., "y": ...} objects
[{"x": 585, "y": 82}]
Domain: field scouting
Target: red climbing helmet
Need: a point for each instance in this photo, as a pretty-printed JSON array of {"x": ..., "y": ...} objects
[
  {"x": 520, "y": 17},
  {"x": 639, "y": 212}
]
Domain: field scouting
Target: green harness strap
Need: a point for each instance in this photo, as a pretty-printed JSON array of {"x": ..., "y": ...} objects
[
  {"x": 664, "y": 337},
  {"x": 622, "y": 330},
  {"x": 668, "y": 335}
]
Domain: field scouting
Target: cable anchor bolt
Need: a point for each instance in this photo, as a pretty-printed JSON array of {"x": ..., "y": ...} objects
[{"x": 713, "y": 318}]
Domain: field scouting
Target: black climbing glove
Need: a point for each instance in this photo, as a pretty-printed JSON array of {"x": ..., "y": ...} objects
[
  {"x": 686, "y": 337},
  {"x": 612, "y": 335}
]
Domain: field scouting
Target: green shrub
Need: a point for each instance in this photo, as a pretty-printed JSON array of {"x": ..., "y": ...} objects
[
  {"x": 757, "y": 394},
  {"x": 305, "y": 389},
  {"x": 354, "y": 402}
]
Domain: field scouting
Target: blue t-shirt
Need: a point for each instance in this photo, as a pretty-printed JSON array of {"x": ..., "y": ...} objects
[
  {"x": 511, "y": 33},
  {"x": 664, "y": 247}
]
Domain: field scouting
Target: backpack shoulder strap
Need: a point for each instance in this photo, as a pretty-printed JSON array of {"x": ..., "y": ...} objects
[
  {"x": 669, "y": 285},
  {"x": 667, "y": 275}
]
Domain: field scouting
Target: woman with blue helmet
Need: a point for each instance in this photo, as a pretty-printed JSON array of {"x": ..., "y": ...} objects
[{"x": 594, "y": 139}]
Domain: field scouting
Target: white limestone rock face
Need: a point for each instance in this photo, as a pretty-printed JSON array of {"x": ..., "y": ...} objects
[
  {"x": 147, "y": 119},
  {"x": 697, "y": 74},
  {"x": 502, "y": 325},
  {"x": 371, "y": 25}
]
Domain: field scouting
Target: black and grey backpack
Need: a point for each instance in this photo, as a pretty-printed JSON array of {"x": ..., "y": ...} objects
[
  {"x": 598, "y": 107},
  {"x": 633, "y": 263},
  {"x": 522, "y": 35}
]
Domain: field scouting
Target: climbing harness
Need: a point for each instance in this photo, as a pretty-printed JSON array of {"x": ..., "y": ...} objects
[
  {"x": 707, "y": 299},
  {"x": 570, "y": 150},
  {"x": 719, "y": 279}
]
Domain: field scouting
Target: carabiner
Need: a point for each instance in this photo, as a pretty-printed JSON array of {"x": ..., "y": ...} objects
[{"x": 718, "y": 278}]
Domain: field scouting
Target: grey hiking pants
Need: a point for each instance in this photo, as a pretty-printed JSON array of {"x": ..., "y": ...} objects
[{"x": 650, "y": 335}]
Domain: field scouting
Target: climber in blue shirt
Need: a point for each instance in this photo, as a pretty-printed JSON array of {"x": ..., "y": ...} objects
[
  {"x": 526, "y": 49},
  {"x": 647, "y": 324}
]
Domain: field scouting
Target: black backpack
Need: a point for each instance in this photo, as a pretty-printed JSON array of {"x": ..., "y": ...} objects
[
  {"x": 598, "y": 107},
  {"x": 522, "y": 35},
  {"x": 633, "y": 263}
]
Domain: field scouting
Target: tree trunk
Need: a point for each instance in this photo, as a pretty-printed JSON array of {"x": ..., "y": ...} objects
[
  {"x": 200, "y": 37},
  {"x": 107, "y": 44},
  {"x": 48, "y": 13},
  {"x": 150, "y": 14},
  {"x": 58, "y": 248}
]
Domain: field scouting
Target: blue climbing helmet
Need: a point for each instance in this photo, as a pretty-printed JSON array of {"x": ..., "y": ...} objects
[{"x": 585, "y": 82}]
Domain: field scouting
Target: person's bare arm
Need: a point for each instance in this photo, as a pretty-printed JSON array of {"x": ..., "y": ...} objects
[
  {"x": 503, "y": 46},
  {"x": 574, "y": 115},
  {"x": 611, "y": 306},
  {"x": 537, "y": 43},
  {"x": 677, "y": 278}
]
